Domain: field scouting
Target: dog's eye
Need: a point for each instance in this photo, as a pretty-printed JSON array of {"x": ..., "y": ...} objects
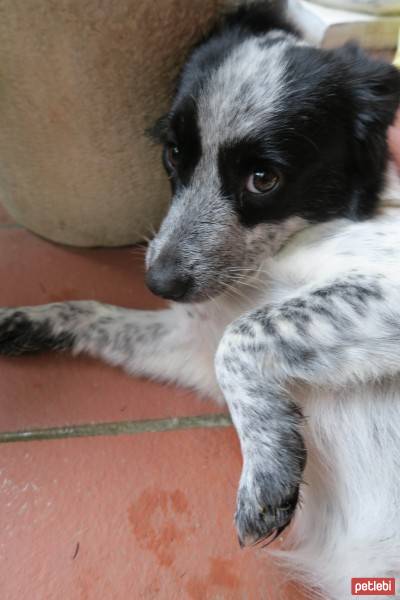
[
  {"x": 173, "y": 156},
  {"x": 262, "y": 182}
]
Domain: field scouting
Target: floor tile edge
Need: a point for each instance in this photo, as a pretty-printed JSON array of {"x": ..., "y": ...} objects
[{"x": 118, "y": 428}]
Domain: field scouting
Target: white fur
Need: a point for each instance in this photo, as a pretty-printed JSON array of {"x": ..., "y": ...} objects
[{"x": 349, "y": 523}]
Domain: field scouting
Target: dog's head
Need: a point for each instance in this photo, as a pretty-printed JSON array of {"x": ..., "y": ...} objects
[{"x": 265, "y": 135}]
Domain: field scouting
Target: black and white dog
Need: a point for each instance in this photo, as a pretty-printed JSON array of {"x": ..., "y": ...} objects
[{"x": 281, "y": 252}]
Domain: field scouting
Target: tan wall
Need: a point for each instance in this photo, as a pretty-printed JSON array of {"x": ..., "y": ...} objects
[{"x": 80, "y": 80}]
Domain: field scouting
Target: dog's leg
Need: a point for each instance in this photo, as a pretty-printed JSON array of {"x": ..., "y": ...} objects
[
  {"x": 156, "y": 344},
  {"x": 344, "y": 332}
]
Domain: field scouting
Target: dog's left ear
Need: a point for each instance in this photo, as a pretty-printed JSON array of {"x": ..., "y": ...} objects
[
  {"x": 371, "y": 101},
  {"x": 375, "y": 90}
]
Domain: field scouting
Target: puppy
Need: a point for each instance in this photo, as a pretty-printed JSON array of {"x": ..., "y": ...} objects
[{"x": 283, "y": 264}]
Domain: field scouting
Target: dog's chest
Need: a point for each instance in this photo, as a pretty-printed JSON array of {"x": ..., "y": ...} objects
[{"x": 316, "y": 256}]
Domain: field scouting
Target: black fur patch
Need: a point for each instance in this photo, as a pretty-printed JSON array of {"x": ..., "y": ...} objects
[
  {"x": 183, "y": 132},
  {"x": 21, "y": 335},
  {"x": 314, "y": 141}
]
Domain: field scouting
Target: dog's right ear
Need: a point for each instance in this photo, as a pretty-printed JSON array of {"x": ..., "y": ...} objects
[
  {"x": 375, "y": 89},
  {"x": 158, "y": 131}
]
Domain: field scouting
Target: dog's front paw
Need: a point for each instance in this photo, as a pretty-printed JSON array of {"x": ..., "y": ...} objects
[
  {"x": 16, "y": 332},
  {"x": 30, "y": 330},
  {"x": 265, "y": 505}
]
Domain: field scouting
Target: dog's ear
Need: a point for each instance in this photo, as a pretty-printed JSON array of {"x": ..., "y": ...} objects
[
  {"x": 158, "y": 131},
  {"x": 371, "y": 101},
  {"x": 375, "y": 91}
]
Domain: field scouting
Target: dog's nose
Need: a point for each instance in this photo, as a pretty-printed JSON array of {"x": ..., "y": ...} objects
[{"x": 165, "y": 281}]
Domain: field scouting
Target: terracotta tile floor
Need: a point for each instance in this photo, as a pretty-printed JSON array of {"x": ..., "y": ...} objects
[{"x": 111, "y": 517}]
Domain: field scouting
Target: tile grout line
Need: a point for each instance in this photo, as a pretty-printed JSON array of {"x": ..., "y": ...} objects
[{"x": 119, "y": 428}]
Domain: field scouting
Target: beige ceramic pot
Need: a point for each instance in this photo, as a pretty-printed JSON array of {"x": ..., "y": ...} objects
[{"x": 80, "y": 81}]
